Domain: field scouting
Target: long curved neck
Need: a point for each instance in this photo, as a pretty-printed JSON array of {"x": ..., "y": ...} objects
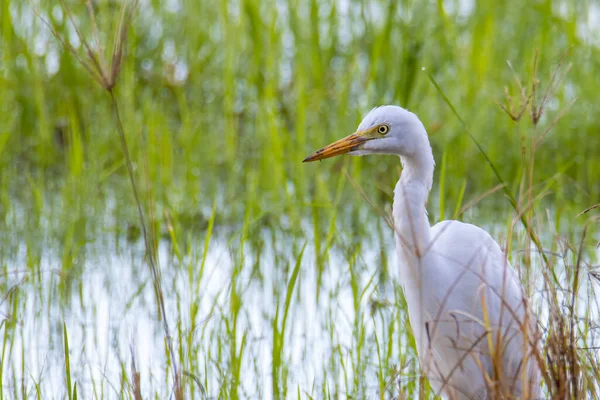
[{"x": 411, "y": 224}]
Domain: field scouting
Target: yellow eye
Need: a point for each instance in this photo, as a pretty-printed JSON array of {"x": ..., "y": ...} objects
[{"x": 383, "y": 129}]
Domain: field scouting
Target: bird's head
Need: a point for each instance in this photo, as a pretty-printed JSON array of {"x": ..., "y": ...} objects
[{"x": 384, "y": 130}]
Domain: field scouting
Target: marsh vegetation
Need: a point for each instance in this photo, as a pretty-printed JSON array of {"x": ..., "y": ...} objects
[{"x": 235, "y": 271}]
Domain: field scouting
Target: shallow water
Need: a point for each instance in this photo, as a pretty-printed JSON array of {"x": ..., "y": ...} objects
[
  {"x": 342, "y": 326},
  {"x": 112, "y": 313}
]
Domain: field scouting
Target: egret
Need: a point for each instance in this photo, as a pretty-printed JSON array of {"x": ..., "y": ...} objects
[{"x": 475, "y": 335}]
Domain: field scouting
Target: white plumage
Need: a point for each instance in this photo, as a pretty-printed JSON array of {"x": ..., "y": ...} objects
[{"x": 475, "y": 335}]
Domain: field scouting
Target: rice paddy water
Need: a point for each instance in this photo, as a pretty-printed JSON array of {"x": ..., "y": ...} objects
[{"x": 234, "y": 270}]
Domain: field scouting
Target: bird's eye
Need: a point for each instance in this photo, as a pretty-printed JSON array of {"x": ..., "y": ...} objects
[{"x": 383, "y": 129}]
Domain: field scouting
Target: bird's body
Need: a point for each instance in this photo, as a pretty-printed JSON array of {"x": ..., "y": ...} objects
[
  {"x": 447, "y": 314},
  {"x": 475, "y": 337}
]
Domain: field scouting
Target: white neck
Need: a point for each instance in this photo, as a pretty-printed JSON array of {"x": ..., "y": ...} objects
[
  {"x": 412, "y": 234},
  {"x": 411, "y": 224}
]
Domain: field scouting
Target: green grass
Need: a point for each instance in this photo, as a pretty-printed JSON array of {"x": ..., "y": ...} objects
[{"x": 269, "y": 277}]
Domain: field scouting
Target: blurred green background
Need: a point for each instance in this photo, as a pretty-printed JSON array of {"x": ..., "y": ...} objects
[{"x": 220, "y": 102}]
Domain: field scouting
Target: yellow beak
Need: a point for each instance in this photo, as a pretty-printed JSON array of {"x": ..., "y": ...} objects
[{"x": 343, "y": 146}]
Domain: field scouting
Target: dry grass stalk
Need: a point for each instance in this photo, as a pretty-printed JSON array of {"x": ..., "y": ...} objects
[
  {"x": 563, "y": 362},
  {"x": 530, "y": 100},
  {"x": 137, "y": 388},
  {"x": 107, "y": 77}
]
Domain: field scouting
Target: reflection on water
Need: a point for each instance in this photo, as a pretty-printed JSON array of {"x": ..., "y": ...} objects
[
  {"x": 113, "y": 313},
  {"x": 337, "y": 336}
]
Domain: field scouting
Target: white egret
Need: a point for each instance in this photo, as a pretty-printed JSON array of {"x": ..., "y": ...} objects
[{"x": 475, "y": 336}]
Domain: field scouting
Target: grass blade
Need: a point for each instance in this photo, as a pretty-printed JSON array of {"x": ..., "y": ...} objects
[{"x": 67, "y": 361}]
